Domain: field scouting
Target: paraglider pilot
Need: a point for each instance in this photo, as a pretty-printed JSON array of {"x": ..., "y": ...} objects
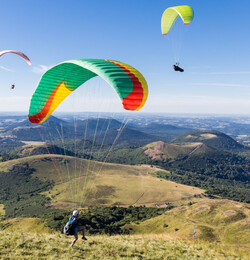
[
  {"x": 75, "y": 228},
  {"x": 177, "y": 68}
]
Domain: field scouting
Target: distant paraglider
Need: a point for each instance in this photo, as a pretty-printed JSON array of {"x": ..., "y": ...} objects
[
  {"x": 169, "y": 17},
  {"x": 12, "y": 86},
  {"x": 22, "y": 55}
]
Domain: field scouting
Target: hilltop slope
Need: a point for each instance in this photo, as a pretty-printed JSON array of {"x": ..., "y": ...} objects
[
  {"x": 200, "y": 158},
  {"x": 30, "y": 149},
  {"x": 165, "y": 151}
]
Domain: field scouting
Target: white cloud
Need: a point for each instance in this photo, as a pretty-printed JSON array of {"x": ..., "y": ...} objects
[
  {"x": 40, "y": 69},
  {"x": 16, "y": 103},
  {"x": 217, "y": 72},
  {"x": 4, "y": 68},
  {"x": 202, "y": 67},
  {"x": 231, "y": 73},
  {"x": 221, "y": 85}
]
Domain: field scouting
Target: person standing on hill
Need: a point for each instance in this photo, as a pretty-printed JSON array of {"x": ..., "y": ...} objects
[{"x": 74, "y": 228}]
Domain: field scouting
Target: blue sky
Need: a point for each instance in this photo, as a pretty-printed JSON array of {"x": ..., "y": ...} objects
[{"x": 214, "y": 50}]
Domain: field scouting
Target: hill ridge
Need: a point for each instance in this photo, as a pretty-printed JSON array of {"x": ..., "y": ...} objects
[{"x": 212, "y": 138}]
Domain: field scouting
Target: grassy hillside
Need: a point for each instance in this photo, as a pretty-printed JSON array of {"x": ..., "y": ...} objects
[
  {"x": 2, "y": 211},
  {"x": 224, "y": 221},
  {"x": 16, "y": 245},
  {"x": 84, "y": 182},
  {"x": 25, "y": 225},
  {"x": 171, "y": 152},
  {"x": 35, "y": 148}
]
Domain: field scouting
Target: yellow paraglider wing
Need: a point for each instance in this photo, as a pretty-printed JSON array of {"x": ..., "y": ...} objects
[{"x": 171, "y": 14}]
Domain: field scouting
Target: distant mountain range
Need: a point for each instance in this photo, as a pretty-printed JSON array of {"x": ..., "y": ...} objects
[
  {"x": 165, "y": 133},
  {"x": 101, "y": 130}
]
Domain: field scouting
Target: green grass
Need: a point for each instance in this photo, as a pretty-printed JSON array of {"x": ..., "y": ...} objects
[
  {"x": 2, "y": 211},
  {"x": 24, "y": 225},
  {"x": 170, "y": 151},
  {"x": 15, "y": 245}
]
